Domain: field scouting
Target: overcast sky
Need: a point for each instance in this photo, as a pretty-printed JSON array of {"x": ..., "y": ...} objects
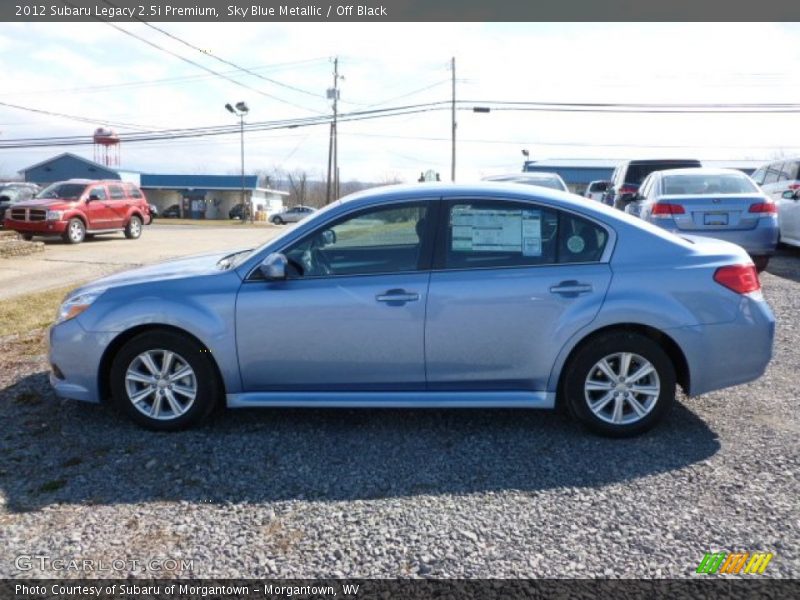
[{"x": 48, "y": 66}]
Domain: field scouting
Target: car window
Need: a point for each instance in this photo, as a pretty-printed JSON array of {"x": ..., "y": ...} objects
[
  {"x": 793, "y": 169},
  {"x": 646, "y": 185},
  {"x": 758, "y": 175},
  {"x": 135, "y": 192},
  {"x": 773, "y": 172},
  {"x": 116, "y": 192},
  {"x": 709, "y": 183},
  {"x": 387, "y": 239},
  {"x": 512, "y": 234},
  {"x": 63, "y": 191},
  {"x": 99, "y": 191}
]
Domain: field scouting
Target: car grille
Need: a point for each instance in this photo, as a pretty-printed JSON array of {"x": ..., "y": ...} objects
[{"x": 28, "y": 214}]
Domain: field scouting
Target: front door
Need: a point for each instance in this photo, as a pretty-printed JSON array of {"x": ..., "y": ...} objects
[
  {"x": 98, "y": 208},
  {"x": 350, "y": 316}
]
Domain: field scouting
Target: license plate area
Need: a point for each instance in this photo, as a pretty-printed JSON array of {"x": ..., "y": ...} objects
[{"x": 715, "y": 218}]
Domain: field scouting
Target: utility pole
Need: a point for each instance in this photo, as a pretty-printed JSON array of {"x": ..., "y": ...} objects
[
  {"x": 333, "y": 145},
  {"x": 453, "y": 119}
]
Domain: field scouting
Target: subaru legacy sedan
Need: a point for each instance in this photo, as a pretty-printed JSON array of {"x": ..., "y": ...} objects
[
  {"x": 719, "y": 203},
  {"x": 484, "y": 295}
]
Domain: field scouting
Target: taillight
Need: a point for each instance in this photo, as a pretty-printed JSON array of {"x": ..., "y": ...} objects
[
  {"x": 666, "y": 209},
  {"x": 742, "y": 279},
  {"x": 794, "y": 186},
  {"x": 764, "y": 207}
]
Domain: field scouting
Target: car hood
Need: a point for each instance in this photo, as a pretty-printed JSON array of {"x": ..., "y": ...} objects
[
  {"x": 181, "y": 268},
  {"x": 47, "y": 203}
]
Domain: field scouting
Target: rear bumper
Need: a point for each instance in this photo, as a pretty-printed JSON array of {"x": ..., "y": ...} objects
[
  {"x": 759, "y": 241},
  {"x": 37, "y": 227},
  {"x": 727, "y": 354}
]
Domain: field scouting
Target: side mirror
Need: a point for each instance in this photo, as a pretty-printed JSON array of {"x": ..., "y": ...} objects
[
  {"x": 328, "y": 237},
  {"x": 791, "y": 194},
  {"x": 274, "y": 267}
]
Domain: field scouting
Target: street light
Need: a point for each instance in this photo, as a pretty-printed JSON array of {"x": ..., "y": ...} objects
[{"x": 240, "y": 110}]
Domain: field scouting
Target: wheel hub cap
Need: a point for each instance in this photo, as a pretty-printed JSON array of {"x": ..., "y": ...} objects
[{"x": 622, "y": 388}]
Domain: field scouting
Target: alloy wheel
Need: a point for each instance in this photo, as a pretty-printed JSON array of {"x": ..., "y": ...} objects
[
  {"x": 161, "y": 384},
  {"x": 622, "y": 388}
]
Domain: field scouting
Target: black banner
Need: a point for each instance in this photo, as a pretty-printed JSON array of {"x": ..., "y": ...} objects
[
  {"x": 384, "y": 589},
  {"x": 397, "y": 10}
]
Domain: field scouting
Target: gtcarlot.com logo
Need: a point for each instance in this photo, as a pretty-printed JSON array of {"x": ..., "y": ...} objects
[
  {"x": 39, "y": 562},
  {"x": 735, "y": 563}
]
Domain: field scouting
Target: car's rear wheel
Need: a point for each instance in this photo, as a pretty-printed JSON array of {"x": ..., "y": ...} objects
[
  {"x": 76, "y": 231},
  {"x": 134, "y": 228},
  {"x": 164, "y": 381},
  {"x": 277, "y": 220},
  {"x": 620, "y": 384},
  {"x": 760, "y": 262}
]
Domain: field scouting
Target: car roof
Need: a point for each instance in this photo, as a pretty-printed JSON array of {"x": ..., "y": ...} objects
[
  {"x": 703, "y": 171},
  {"x": 660, "y": 161},
  {"x": 524, "y": 175}
]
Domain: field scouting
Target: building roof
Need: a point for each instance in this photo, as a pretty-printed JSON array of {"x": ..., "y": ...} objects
[
  {"x": 204, "y": 182},
  {"x": 73, "y": 156}
]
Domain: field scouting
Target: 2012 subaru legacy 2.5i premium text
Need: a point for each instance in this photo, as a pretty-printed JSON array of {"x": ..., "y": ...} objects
[{"x": 487, "y": 295}]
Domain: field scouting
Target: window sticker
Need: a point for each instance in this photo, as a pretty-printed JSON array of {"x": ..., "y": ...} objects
[
  {"x": 496, "y": 230},
  {"x": 576, "y": 244}
]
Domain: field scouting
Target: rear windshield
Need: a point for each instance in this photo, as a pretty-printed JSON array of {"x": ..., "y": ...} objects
[
  {"x": 599, "y": 186},
  {"x": 708, "y": 184},
  {"x": 637, "y": 173},
  {"x": 63, "y": 191}
]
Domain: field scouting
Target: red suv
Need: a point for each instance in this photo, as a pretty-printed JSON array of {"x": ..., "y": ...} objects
[{"x": 81, "y": 207}]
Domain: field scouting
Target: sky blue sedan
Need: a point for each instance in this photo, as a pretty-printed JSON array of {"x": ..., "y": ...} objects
[
  {"x": 720, "y": 203},
  {"x": 485, "y": 295}
]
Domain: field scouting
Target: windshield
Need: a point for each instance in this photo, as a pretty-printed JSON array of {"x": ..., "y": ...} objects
[
  {"x": 636, "y": 173},
  {"x": 727, "y": 183},
  {"x": 63, "y": 191}
]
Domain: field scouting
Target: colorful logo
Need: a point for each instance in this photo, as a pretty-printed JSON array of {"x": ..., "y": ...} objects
[{"x": 738, "y": 562}]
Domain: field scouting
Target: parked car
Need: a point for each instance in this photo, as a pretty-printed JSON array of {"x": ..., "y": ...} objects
[
  {"x": 237, "y": 211},
  {"x": 540, "y": 178},
  {"x": 153, "y": 211},
  {"x": 14, "y": 193},
  {"x": 719, "y": 203},
  {"x": 293, "y": 215},
  {"x": 79, "y": 207},
  {"x": 172, "y": 212},
  {"x": 629, "y": 175},
  {"x": 485, "y": 295},
  {"x": 789, "y": 217},
  {"x": 596, "y": 189},
  {"x": 778, "y": 177}
]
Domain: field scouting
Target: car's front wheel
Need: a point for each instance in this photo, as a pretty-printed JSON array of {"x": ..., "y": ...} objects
[
  {"x": 164, "y": 381},
  {"x": 27, "y": 237},
  {"x": 760, "y": 262},
  {"x": 76, "y": 231},
  {"x": 277, "y": 221},
  {"x": 134, "y": 228},
  {"x": 620, "y": 384}
]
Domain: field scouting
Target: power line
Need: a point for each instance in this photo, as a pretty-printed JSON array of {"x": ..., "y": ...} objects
[
  {"x": 93, "y": 121},
  {"x": 222, "y": 60},
  {"x": 195, "y": 64}
]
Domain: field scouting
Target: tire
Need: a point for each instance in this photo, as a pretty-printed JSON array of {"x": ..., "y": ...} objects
[
  {"x": 27, "y": 236},
  {"x": 200, "y": 387},
  {"x": 611, "y": 350},
  {"x": 133, "y": 230},
  {"x": 277, "y": 221},
  {"x": 760, "y": 262},
  {"x": 75, "y": 232}
]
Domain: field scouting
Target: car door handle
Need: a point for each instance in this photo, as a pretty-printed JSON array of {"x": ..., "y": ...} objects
[
  {"x": 397, "y": 296},
  {"x": 571, "y": 288}
]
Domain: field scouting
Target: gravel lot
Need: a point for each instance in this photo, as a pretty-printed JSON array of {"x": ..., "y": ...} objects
[{"x": 369, "y": 493}]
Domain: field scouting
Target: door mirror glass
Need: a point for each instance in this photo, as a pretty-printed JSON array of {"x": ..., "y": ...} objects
[
  {"x": 790, "y": 194},
  {"x": 274, "y": 267}
]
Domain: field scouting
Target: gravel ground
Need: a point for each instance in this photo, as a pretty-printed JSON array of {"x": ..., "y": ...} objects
[{"x": 369, "y": 493}]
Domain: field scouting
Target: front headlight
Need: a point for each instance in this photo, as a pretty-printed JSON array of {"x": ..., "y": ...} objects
[
  {"x": 55, "y": 215},
  {"x": 75, "y": 305}
]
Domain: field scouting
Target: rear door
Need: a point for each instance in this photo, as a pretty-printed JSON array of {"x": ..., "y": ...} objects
[
  {"x": 512, "y": 282},
  {"x": 118, "y": 204}
]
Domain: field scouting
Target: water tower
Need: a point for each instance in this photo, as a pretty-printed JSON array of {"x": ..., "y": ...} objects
[{"x": 106, "y": 147}]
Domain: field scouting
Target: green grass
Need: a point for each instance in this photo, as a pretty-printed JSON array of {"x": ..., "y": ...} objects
[{"x": 22, "y": 314}]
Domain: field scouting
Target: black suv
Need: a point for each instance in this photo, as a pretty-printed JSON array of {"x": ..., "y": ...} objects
[{"x": 628, "y": 176}]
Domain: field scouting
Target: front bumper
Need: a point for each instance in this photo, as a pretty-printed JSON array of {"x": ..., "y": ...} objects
[
  {"x": 37, "y": 227},
  {"x": 75, "y": 355}
]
